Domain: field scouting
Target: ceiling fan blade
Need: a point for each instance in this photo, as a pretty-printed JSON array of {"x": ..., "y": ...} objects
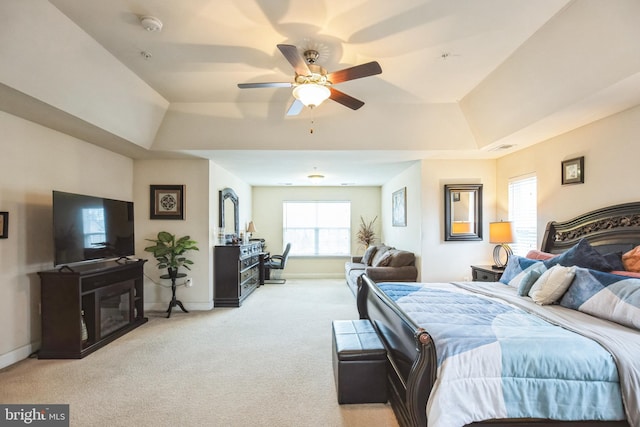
[
  {"x": 293, "y": 56},
  {"x": 272, "y": 84},
  {"x": 344, "y": 99},
  {"x": 295, "y": 108},
  {"x": 357, "y": 72}
]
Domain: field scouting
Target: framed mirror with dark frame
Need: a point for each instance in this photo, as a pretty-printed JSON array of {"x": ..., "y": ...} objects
[
  {"x": 229, "y": 202},
  {"x": 462, "y": 212}
]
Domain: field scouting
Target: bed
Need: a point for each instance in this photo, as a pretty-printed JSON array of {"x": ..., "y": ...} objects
[{"x": 414, "y": 334}]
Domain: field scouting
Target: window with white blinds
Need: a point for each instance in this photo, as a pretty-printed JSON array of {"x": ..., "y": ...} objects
[
  {"x": 317, "y": 228},
  {"x": 523, "y": 212}
]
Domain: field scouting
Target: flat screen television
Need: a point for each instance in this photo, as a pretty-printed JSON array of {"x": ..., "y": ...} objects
[{"x": 88, "y": 228}]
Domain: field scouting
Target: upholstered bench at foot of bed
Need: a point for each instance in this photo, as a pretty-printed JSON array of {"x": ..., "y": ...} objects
[{"x": 359, "y": 362}]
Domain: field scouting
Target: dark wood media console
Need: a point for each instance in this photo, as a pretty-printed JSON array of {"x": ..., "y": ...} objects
[{"x": 108, "y": 297}]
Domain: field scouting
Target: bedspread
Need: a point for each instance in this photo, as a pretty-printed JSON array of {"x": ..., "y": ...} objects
[{"x": 496, "y": 360}]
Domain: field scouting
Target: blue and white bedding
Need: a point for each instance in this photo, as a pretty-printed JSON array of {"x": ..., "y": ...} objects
[{"x": 499, "y": 358}]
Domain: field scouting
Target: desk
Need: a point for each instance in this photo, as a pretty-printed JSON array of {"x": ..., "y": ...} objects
[{"x": 174, "y": 300}]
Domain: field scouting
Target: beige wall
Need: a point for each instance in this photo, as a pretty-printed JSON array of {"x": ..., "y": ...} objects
[
  {"x": 221, "y": 179},
  {"x": 192, "y": 174},
  {"x": 405, "y": 238},
  {"x": 611, "y": 151},
  {"x": 267, "y": 216},
  {"x": 446, "y": 261},
  {"x": 36, "y": 160}
]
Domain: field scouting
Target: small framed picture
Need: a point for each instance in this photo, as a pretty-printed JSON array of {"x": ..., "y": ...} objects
[
  {"x": 4, "y": 225},
  {"x": 399, "y": 208},
  {"x": 456, "y": 196},
  {"x": 166, "y": 202},
  {"x": 573, "y": 171}
]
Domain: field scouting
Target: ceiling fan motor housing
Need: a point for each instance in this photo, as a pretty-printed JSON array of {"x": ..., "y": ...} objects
[{"x": 311, "y": 56}]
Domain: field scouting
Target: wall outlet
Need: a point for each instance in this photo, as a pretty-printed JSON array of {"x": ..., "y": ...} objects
[{"x": 189, "y": 282}]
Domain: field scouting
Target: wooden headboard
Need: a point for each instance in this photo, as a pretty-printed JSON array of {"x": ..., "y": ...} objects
[{"x": 611, "y": 229}]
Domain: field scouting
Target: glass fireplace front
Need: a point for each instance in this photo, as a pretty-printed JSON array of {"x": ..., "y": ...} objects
[{"x": 115, "y": 307}]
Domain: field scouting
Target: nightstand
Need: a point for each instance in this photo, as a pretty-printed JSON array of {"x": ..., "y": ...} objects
[{"x": 486, "y": 273}]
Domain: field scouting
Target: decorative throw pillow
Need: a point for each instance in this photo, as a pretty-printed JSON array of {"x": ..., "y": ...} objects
[
  {"x": 384, "y": 260},
  {"x": 524, "y": 280},
  {"x": 368, "y": 254},
  {"x": 382, "y": 250},
  {"x": 604, "y": 295},
  {"x": 631, "y": 260},
  {"x": 615, "y": 259},
  {"x": 401, "y": 258},
  {"x": 536, "y": 254},
  {"x": 515, "y": 266},
  {"x": 581, "y": 255},
  {"x": 626, "y": 273},
  {"x": 552, "y": 284}
]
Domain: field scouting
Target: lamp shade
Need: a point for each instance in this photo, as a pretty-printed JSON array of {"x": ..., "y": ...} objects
[
  {"x": 501, "y": 232},
  {"x": 251, "y": 228},
  {"x": 311, "y": 94}
]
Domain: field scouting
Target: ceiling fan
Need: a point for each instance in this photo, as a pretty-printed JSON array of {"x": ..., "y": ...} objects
[{"x": 313, "y": 84}]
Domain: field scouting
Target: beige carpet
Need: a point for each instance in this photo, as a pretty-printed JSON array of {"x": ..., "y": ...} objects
[{"x": 267, "y": 363}]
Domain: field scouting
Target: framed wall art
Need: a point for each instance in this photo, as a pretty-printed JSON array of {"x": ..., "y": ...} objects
[
  {"x": 573, "y": 171},
  {"x": 4, "y": 225},
  {"x": 166, "y": 201},
  {"x": 399, "y": 208}
]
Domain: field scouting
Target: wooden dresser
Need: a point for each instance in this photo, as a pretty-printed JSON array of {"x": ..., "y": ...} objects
[{"x": 236, "y": 273}]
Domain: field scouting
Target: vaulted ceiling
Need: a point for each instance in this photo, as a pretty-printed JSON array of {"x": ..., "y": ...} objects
[{"x": 461, "y": 78}]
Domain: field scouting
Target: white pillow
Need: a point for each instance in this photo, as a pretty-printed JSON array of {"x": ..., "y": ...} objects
[{"x": 552, "y": 284}]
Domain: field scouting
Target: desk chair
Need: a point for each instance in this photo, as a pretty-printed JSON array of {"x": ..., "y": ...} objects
[{"x": 277, "y": 263}]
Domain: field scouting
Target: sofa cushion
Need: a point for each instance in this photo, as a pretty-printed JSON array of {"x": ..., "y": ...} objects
[
  {"x": 368, "y": 254},
  {"x": 380, "y": 253}
]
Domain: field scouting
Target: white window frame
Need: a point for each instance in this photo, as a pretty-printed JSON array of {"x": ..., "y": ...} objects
[
  {"x": 314, "y": 231},
  {"x": 523, "y": 212}
]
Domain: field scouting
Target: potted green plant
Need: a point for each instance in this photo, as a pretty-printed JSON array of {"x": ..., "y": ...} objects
[
  {"x": 366, "y": 234},
  {"x": 170, "y": 252}
]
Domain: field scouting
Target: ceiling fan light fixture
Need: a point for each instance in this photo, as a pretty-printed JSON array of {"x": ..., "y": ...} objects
[{"x": 311, "y": 94}]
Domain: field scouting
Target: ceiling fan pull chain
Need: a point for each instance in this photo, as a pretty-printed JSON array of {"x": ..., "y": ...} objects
[{"x": 312, "y": 119}]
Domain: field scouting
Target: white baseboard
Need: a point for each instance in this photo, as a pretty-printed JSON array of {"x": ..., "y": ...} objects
[
  {"x": 314, "y": 276},
  {"x": 17, "y": 355},
  {"x": 162, "y": 306}
]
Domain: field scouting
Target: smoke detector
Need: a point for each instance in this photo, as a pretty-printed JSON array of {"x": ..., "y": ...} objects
[{"x": 151, "y": 23}]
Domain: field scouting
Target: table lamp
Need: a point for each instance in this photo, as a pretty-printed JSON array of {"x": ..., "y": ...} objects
[
  {"x": 501, "y": 233},
  {"x": 251, "y": 228}
]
